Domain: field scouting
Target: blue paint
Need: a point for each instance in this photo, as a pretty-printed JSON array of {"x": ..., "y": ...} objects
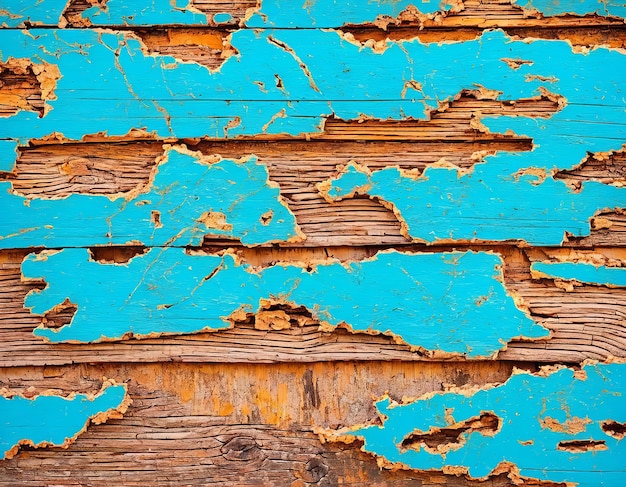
[
  {"x": 52, "y": 420},
  {"x": 186, "y": 100},
  {"x": 16, "y": 13},
  {"x": 444, "y": 205},
  {"x": 522, "y": 403},
  {"x": 8, "y": 155},
  {"x": 451, "y": 302},
  {"x": 605, "y": 8},
  {"x": 588, "y": 273},
  {"x": 184, "y": 189}
]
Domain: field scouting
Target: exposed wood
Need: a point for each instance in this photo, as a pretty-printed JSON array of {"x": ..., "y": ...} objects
[{"x": 235, "y": 424}]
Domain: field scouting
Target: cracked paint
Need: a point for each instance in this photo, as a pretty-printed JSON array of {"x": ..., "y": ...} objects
[
  {"x": 50, "y": 420},
  {"x": 175, "y": 207},
  {"x": 550, "y": 426},
  {"x": 591, "y": 118},
  {"x": 443, "y": 204},
  {"x": 454, "y": 302},
  {"x": 581, "y": 272}
]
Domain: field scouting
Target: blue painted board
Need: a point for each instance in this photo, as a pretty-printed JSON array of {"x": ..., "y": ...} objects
[
  {"x": 324, "y": 75},
  {"x": 454, "y": 303}
]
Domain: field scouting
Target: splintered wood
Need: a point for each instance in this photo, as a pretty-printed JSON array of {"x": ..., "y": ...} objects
[{"x": 247, "y": 243}]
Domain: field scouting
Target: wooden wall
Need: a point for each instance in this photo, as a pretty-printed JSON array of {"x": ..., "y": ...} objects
[{"x": 312, "y": 244}]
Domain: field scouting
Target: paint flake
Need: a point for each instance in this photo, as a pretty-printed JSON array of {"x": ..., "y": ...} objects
[
  {"x": 443, "y": 205},
  {"x": 168, "y": 291}
]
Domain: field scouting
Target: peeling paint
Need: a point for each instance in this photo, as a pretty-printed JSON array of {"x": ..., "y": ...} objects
[
  {"x": 274, "y": 13},
  {"x": 454, "y": 303},
  {"x": 444, "y": 204},
  {"x": 51, "y": 420},
  {"x": 175, "y": 207},
  {"x": 522, "y": 444},
  {"x": 450, "y": 206},
  {"x": 581, "y": 272},
  {"x": 591, "y": 118}
]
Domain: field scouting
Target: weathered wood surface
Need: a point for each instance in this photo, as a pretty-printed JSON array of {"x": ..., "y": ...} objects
[
  {"x": 295, "y": 121},
  {"x": 235, "y": 424}
]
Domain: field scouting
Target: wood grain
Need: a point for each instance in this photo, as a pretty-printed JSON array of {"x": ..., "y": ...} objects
[
  {"x": 235, "y": 424},
  {"x": 242, "y": 406}
]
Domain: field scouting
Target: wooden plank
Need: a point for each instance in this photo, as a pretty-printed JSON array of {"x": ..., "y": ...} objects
[
  {"x": 585, "y": 321},
  {"x": 247, "y": 425},
  {"x": 505, "y": 178}
]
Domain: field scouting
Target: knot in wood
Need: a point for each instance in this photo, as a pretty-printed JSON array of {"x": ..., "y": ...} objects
[{"x": 242, "y": 448}]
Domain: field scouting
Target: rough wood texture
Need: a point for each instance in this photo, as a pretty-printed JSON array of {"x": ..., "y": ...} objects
[
  {"x": 95, "y": 111},
  {"x": 235, "y": 424}
]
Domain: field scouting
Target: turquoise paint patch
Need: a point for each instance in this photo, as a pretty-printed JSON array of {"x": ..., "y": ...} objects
[
  {"x": 605, "y": 8},
  {"x": 524, "y": 438},
  {"x": 52, "y": 420},
  {"x": 444, "y": 205},
  {"x": 17, "y": 13},
  {"x": 588, "y": 273},
  {"x": 8, "y": 155},
  {"x": 181, "y": 205},
  {"x": 450, "y": 302}
]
